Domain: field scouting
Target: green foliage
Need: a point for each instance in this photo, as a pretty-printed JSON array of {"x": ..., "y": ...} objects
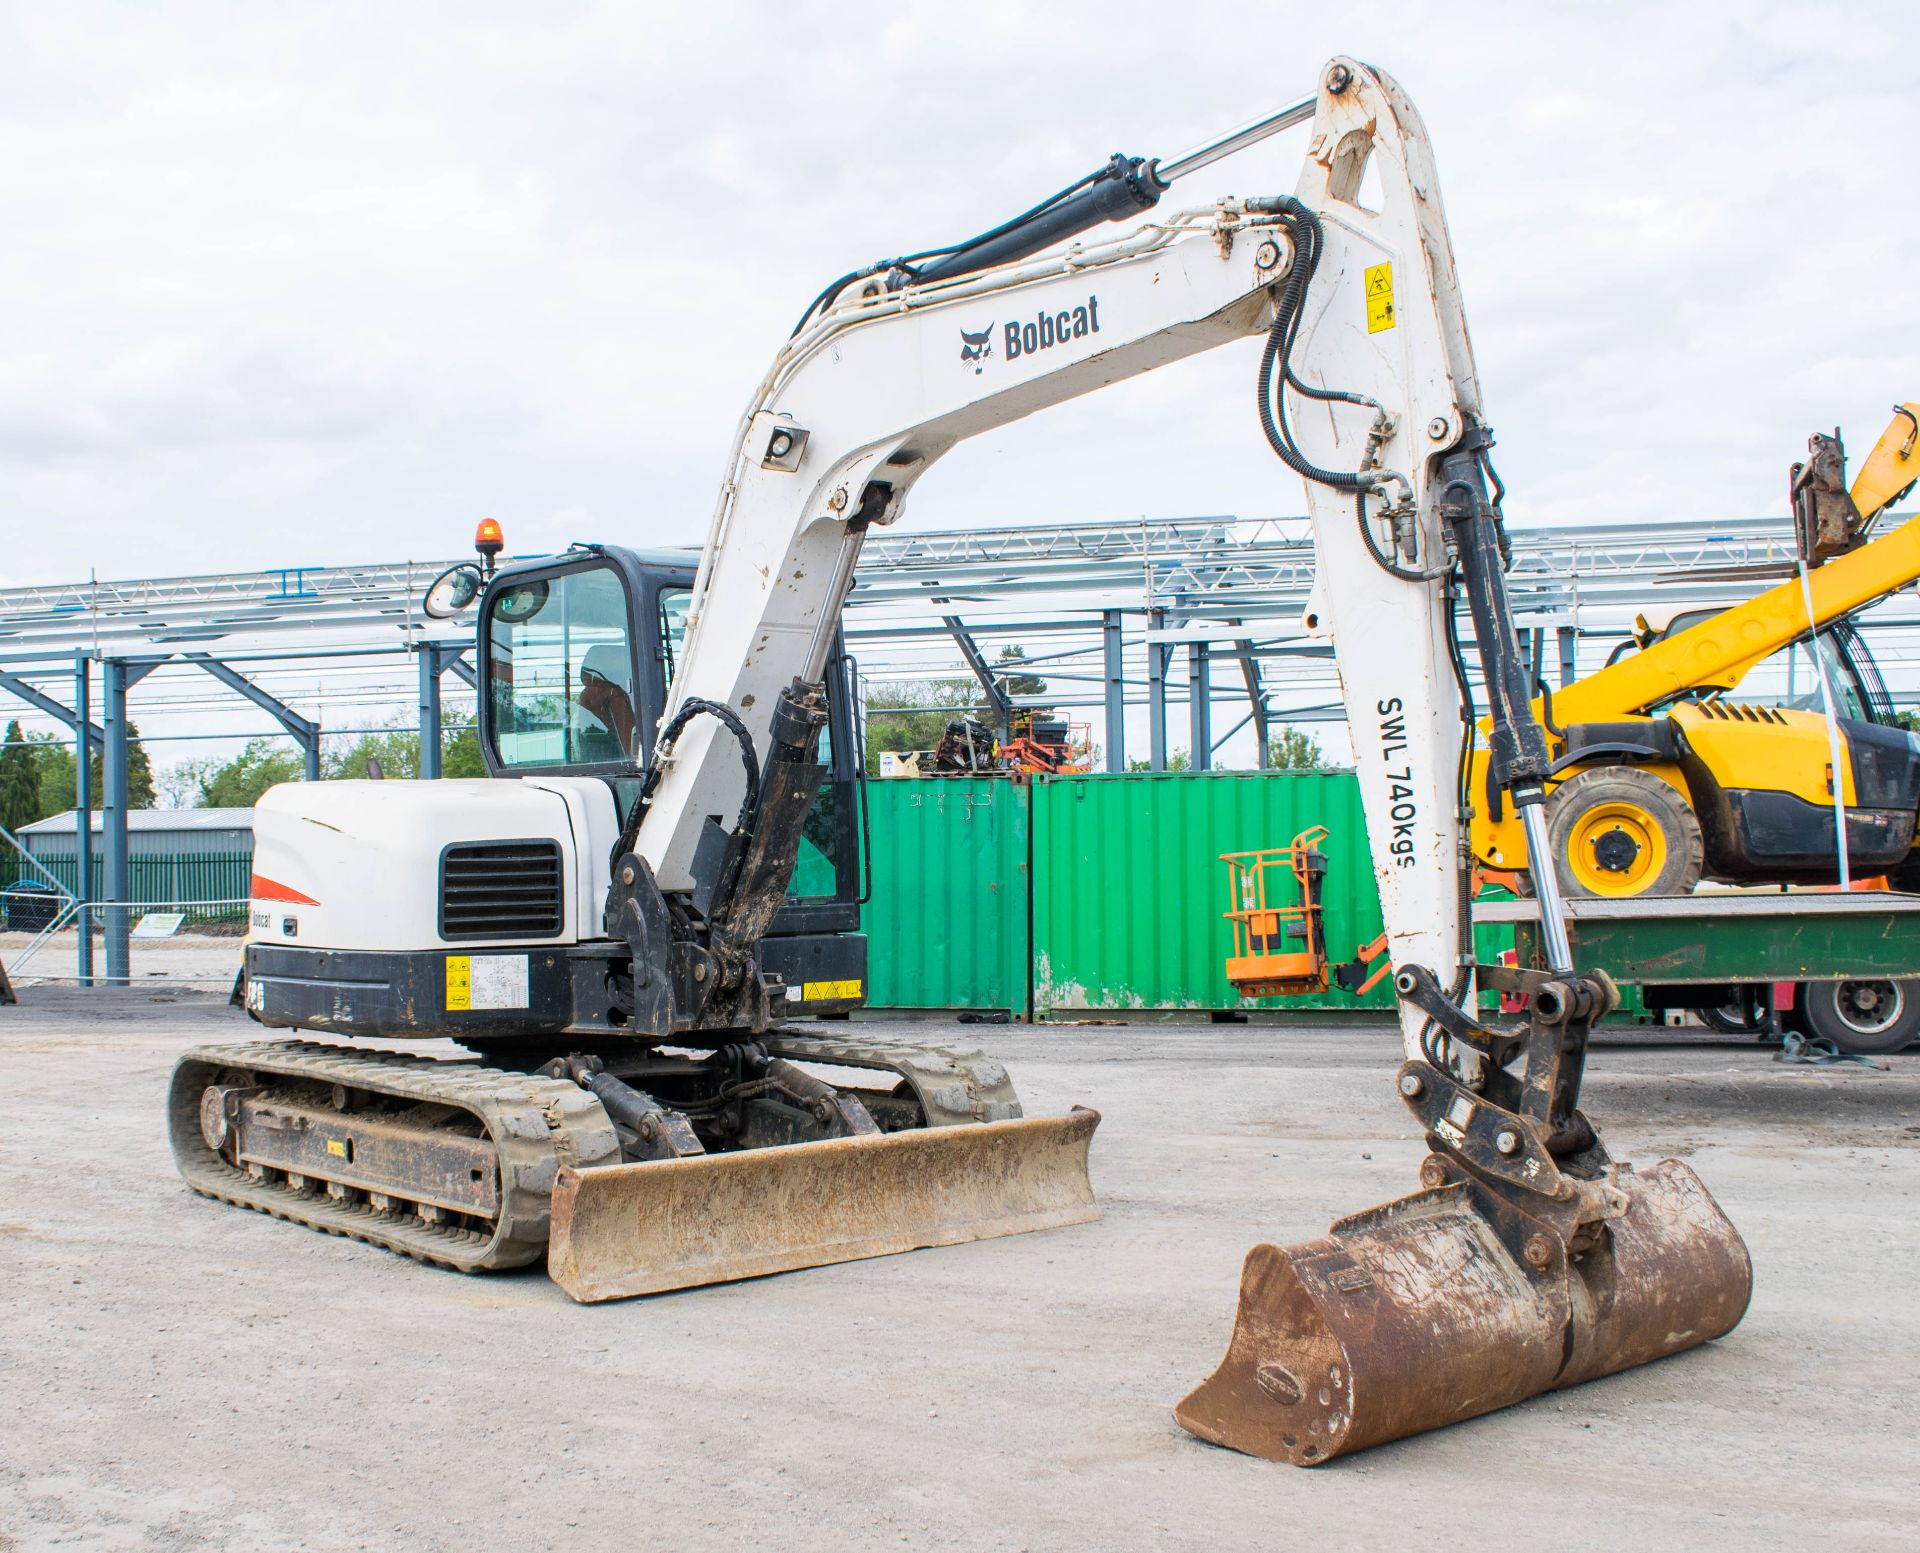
[
  {"x": 19, "y": 781},
  {"x": 237, "y": 783},
  {"x": 397, "y": 750},
  {"x": 58, "y": 784},
  {"x": 460, "y": 754},
  {"x": 913, "y": 714},
  {"x": 1295, "y": 751},
  {"x": 140, "y": 789},
  {"x": 1177, "y": 760},
  {"x": 1016, "y": 684}
]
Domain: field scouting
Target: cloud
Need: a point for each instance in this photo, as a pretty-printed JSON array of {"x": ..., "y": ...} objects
[{"x": 324, "y": 284}]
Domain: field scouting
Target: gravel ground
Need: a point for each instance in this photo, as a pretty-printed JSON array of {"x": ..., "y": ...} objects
[
  {"x": 191, "y": 959},
  {"x": 181, "y": 1374}
]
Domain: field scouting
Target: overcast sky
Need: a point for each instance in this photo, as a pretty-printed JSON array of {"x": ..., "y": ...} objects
[{"x": 321, "y": 283}]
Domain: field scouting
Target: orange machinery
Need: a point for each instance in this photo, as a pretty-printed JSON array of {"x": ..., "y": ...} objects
[{"x": 1278, "y": 948}]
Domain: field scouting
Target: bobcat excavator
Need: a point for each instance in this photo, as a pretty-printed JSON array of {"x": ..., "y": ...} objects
[{"x": 647, "y": 1124}]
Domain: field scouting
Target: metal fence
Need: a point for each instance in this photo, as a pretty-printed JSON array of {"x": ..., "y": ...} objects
[{"x": 206, "y": 889}]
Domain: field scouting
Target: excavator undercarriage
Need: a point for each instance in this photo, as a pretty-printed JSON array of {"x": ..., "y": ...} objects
[{"x": 585, "y": 1159}]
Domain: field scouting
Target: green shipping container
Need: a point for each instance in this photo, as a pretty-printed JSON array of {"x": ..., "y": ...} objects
[
  {"x": 1129, "y": 889},
  {"x": 947, "y": 925}
]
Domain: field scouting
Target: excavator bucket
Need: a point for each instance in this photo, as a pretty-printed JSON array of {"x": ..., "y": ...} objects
[
  {"x": 1448, "y": 1304},
  {"x": 622, "y": 1230}
]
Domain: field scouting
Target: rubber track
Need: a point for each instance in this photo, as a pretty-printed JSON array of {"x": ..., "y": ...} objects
[
  {"x": 954, "y": 1087},
  {"x": 535, "y": 1124}
]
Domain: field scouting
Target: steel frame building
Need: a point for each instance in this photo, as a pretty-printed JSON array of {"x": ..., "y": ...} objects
[{"x": 1123, "y": 619}]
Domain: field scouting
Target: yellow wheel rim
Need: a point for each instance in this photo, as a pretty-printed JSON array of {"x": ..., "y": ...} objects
[{"x": 1616, "y": 848}]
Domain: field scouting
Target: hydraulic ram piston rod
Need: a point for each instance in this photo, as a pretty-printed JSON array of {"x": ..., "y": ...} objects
[{"x": 1247, "y": 135}]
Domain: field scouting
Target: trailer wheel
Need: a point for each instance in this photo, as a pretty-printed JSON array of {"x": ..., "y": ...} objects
[
  {"x": 1869, "y": 1018},
  {"x": 1620, "y": 832},
  {"x": 1740, "y": 1016}
]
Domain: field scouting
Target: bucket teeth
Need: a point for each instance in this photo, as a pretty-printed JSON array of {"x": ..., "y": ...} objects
[{"x": 1422, "y": 1313}]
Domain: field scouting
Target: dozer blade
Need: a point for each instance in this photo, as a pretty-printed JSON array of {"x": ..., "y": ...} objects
[
  {"x": 1447, "y": 1304},
  {"x": 622, "y": 1230}
]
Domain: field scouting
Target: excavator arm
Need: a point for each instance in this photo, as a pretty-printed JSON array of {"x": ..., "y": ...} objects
[
  {"x": 884, "y": 378},
  {"x": 1529, "y": 1259}
]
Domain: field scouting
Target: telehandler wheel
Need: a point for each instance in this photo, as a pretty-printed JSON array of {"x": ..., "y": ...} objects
[
  {"x": 1869, "y": 1018},
  {"x": 1618, "y": 832}
]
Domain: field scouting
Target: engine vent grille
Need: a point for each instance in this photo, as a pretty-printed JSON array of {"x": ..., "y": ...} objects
[{"x": 500, "y": 889}]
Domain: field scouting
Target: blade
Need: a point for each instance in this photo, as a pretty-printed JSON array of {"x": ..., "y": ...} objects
[
  {"x": 1416, "y": 1314},
  {"x": 622, "y": 1230}
]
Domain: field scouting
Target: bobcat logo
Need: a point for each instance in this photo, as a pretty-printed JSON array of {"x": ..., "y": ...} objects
[{"x": 978, "y": 347}]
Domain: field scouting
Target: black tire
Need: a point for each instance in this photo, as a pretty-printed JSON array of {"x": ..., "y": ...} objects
[
  {"x": 1655, "y": 837},
  {"x": 1869, "y": 1018},
  {"x": 1740, "y": 1017}
]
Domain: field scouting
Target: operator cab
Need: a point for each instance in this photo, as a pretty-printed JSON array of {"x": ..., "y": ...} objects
[
  {"x": 576, "y": 655},
  {"x": 1788, "y": 679}
]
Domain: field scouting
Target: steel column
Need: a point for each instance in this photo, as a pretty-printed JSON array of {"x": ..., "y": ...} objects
[
  {"x": 1565, "y": 636},
  {"x": 1256, "y": 699},
  {"x": 1200, "y": 705},
  {"x": 1156, "y": 693},
  {"x": 117, "y": 875},
  {"x": 429, "y": 712},
  {"x": 1116, "y": 667},
  {"x": 83, "y": 818}
]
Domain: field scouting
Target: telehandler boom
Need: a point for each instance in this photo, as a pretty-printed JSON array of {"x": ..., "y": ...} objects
[{"x": 1528, "y": 1259}]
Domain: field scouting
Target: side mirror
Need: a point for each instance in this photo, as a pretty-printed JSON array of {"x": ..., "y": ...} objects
[{"x": 453, "y": 591}]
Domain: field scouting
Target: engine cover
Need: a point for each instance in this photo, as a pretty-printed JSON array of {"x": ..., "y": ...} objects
[{"x": 428, "y": 865}]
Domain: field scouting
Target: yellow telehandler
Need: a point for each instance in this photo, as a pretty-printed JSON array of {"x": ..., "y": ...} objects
[{"x": 1664, "y": 775}]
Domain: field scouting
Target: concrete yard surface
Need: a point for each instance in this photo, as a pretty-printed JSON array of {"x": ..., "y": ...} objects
[{"x": 178, "y": 1373}]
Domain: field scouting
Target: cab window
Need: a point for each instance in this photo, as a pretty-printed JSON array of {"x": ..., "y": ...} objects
[
  {"x": 674, "y": 603},
  {"x": 560, "y": 671},
  {"x": 1790, "y": 680}
]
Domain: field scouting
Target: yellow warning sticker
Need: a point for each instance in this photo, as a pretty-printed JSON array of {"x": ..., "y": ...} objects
[
  {"x": 459, "y": 982},
  {"x": 819, "y": 991},
  {"x": 337, "y": 1146},
  {"x": 1379, "y": 298}
]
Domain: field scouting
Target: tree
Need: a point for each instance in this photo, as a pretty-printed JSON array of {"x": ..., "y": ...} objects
[
  {"x": 460, "y": 754},
  {"x": 913, "y": 714},
  {"x": 54, "y": 761},
  {"x": 1177, "y": 760},
  {"x": 19, "y": 781},
  {"x": 239, "y": 782},
  {"x": 1016, "y": 684},
  {"x": 140, "y": 790},
  {"x": 397, "y": 748},
  {"x": 1295, "y": 751}
]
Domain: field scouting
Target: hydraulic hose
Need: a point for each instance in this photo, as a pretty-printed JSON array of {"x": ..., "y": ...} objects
[
  {"x": 692, "y": 707},
  {"x": 1303, "y": 226}
]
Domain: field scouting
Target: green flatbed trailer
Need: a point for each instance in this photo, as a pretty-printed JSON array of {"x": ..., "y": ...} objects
[{"x": 1717, "y": 939}]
